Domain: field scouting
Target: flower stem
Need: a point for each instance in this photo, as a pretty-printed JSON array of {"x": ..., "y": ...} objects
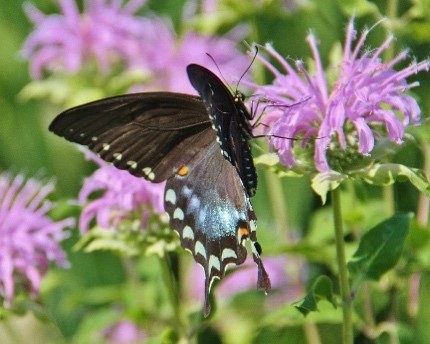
[
  {"x": 171, "y": 285},
  {"x": 277, "y": 201},
  {"x": 343, "y": 272},
  {"x": 424, "y": 201}
]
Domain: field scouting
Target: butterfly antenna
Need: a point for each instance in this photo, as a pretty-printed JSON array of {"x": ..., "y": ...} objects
[
  {"x": 248, "y": 68},
  {"x": 219, "y": 70}
]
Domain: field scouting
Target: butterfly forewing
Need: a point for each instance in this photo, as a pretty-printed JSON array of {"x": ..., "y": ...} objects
[
  {"x": 149, "y": 134},
  {"x": 214, "y": 217},
  {"x": 230, "y": 120}
]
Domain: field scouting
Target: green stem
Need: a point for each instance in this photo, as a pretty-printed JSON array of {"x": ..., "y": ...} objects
[
  {"x": 388, "y": 198},
  {"x": 277, "y": 201},
  {"x": 424, "y": 201},
  {"x": 343, "y": 272},
  {"x": 392, "y": 6},
  {"x": 172, "y": 289}
]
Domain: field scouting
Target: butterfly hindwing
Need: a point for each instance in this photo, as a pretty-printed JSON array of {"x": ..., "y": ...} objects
[
  {"x": 149, "y": 134},
  {"x": 210, "y": 209},
  {"x": 230, "y": 120}
]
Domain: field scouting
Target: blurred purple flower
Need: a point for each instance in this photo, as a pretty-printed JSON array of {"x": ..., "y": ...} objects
[
  {"x": 170, "y": 71},
  {"x": 29, "y": 239},
  {"x": 286, "y": 276},
  {"x": 122, "y": 195},
  {"x": 124, "y": 332},
  {"x": 106, "y": 32},
  {"x": 215, "y": 8},
  {"x": 366, "y": 101}
]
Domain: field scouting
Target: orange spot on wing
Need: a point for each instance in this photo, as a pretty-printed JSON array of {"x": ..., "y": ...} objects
[
  {"x": 243, "y": 232},
  {"x": 183, "y": 171}
]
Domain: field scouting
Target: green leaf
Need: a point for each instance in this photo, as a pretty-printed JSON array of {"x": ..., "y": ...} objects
[
  {"x": 380, "y": 248},
  {"x": 272, "y": 163},
  {"x": 322, "y": 289},
  {"x": 324, "y": 182},
  {"x": 387, "y": 174},
  {"x": 358, "y": 7},
  {"x": 130, "y": 239},
  {"x": 423, "y": 316}
]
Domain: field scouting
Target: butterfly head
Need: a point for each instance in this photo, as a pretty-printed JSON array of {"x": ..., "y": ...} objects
[{"x": 238, "y": 97}]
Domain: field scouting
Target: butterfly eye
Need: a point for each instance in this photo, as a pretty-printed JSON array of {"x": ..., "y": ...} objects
[{"x": 239, "y": 97}]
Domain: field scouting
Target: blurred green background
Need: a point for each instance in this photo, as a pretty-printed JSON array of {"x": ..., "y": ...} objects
[{"x": 79, "y": 300}]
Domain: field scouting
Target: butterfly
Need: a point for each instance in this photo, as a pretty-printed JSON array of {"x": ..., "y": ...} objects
[{"x": 200, "y": 146}]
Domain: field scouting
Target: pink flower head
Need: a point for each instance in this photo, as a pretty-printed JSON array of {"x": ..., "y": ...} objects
[
  {"x": 122, "y": 195},
  {"x": 29, "y": 239},
  {"x": 366, "y": 101},
  {"x": 124, "y": 332},
  {"x": 170, "y": 73},
  {"x": 106, "y": 32}
]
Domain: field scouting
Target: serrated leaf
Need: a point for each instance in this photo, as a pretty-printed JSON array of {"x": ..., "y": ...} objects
[
  {"x": 387, "y": 174},
  {"x": 322, "y": 289},
  {"x": 324, "y": 182},
  {"x": 380, "y": 248}
]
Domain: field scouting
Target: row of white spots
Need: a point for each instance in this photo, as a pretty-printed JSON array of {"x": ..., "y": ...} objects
[
  {"x": 171, "y": 196},
  {"x": 200, "y": 249},
  {"x": 178, "y": 214},
  {"x": 228, "y": 253},
  {"x": 148, "y": 172},
  {"x": 214, "y": 263},
  {"x": 188, "y": 233},
  {"x": 132, "y": 164}
]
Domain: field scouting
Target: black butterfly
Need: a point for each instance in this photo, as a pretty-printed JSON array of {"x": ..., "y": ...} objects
[{"x": 168, "y": 136}]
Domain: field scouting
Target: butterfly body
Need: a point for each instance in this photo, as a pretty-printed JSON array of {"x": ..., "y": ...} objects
[
  {"x": 169, "y": 136},
  {"x": 230, "y": 120}
]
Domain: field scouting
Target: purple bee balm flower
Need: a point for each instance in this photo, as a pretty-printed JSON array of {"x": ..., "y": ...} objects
[
  {"x": 169, "y": 69},
  {"x": 124, "y": 332},
  {"x": 105, "y": 33},
  {"x": 286, "y": 276},
  {"x": 339, "y": 122},
  {"x": 123, "y": 195},
  {"x": 29, "y": 239}
]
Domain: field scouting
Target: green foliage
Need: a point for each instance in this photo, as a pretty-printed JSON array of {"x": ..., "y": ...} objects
[
  {"x": 116, "y": 275},
  {"x": 387, "y": 174},
  {"x": 380, "y": 248},
  {"x": 322, "y": 289},
  {"x": 130, "y": 239}
]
